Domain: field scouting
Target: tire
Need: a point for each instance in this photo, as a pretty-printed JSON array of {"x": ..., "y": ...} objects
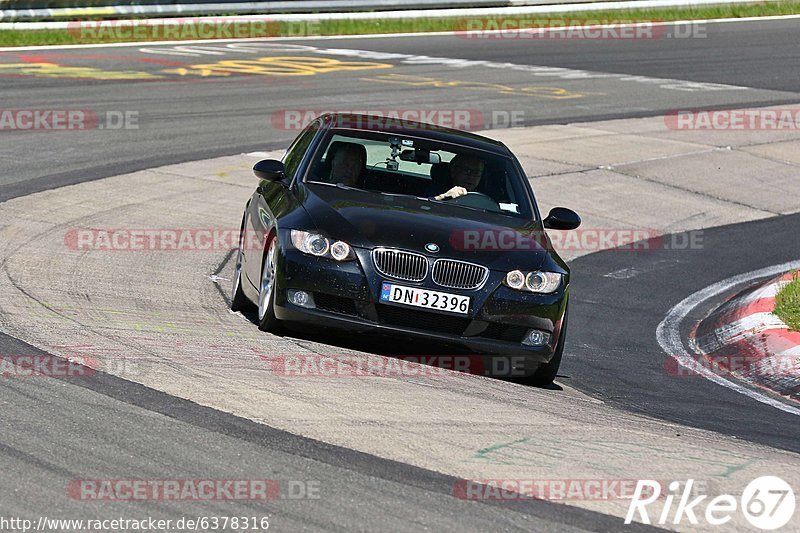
[
  {"x": 546, "y": 373},
  {"x": 266, "y": 290},
  {"x": 239, "y": 302}
]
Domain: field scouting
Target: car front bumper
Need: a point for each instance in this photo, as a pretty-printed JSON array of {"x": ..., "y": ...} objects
[{"x": 347, "y": 297}]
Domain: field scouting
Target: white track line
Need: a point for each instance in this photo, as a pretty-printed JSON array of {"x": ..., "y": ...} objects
[
  {"x": 335, "y": 37},
  {"x": 669, "y": 337}
]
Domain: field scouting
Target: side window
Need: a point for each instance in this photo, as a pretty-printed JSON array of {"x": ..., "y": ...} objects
[{"x": 294, "y": 155}]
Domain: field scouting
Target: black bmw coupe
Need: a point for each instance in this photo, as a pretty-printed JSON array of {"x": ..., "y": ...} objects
[{"x": 370, "y": 224}]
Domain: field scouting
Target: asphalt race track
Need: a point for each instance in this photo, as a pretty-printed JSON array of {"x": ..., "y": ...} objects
[
  {"x": 646, "y": 298},
  {"x": 199, "y": 101},
  {"x": 205, "y": 116}
]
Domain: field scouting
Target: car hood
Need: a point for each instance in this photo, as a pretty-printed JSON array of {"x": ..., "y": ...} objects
[{"x": 370, "y": 220}]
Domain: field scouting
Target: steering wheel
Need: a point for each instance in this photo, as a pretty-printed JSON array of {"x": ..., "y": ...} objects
[{"x": 477, "y": 199}]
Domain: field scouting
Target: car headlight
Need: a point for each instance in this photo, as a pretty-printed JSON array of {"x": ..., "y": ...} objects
[
  {"x": 537, "y": 281},
  {"x": 515, "y": 279},
  {"x": 340, "y": 250},
  {"x": 321, "y": 246}
]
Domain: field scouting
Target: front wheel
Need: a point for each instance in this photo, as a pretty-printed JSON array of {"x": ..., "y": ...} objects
[
  {"x": 239, "y": 301},
  {"x": 266, "y": 293}
]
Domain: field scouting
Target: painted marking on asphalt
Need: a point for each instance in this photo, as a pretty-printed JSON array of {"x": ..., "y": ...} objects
[
  {"x": 555, "y": 93},
  {"x": 669, "y": 337},
  {"x": 632, "y": 272},
  {"x": 624, "y": 273},
  {"x": 50, "y": 57},
  {"x": 243, "y": 48},
  {"x": 276, "y": 66},
  {"x": 548, "y": 451},
  {"x": 413, "y": 59},
  {"x": 535, "y": 70},
  {"x": 52, "y": 70}
]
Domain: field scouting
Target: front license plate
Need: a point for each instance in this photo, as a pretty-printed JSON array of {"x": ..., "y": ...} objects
[{"x": 415, "y": 297}]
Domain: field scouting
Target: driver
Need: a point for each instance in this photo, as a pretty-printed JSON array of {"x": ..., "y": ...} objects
[
  {"x": 348, "y": 162},
  {"x": 466, "y": 172}
]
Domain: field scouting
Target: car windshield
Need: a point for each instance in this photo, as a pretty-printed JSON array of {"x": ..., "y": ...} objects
[{"x": 384, "y": 163}]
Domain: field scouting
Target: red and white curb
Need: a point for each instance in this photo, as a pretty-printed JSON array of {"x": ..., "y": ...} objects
[{"x": 743, "y": 339}]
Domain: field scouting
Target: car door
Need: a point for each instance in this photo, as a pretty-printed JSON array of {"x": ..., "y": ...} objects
[{"x": 269, "y": 201}]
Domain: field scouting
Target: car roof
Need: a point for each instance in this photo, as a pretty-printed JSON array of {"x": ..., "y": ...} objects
[{"x": 350, "y": 121}]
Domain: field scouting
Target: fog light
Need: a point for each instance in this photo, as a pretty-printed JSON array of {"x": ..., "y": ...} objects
[
  {"x": 537, "y": 337},
  {"x": 301, "y": 299}
]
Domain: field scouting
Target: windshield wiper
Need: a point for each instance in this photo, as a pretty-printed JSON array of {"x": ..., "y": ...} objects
[
  {"x": 337, "y": 185},
  {"x": 348, "y": 187},
  {"x": 383, "y": 193}
]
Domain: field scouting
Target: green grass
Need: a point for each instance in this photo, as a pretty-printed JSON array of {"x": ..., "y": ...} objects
[
  {"x": 787, "y": 303},
  {"x": 359, "y": 27}
]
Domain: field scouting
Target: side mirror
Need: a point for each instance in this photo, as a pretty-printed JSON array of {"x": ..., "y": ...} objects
[
  {"x": 562, "y": 218},
  {"x": 269, "y": 169}
]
